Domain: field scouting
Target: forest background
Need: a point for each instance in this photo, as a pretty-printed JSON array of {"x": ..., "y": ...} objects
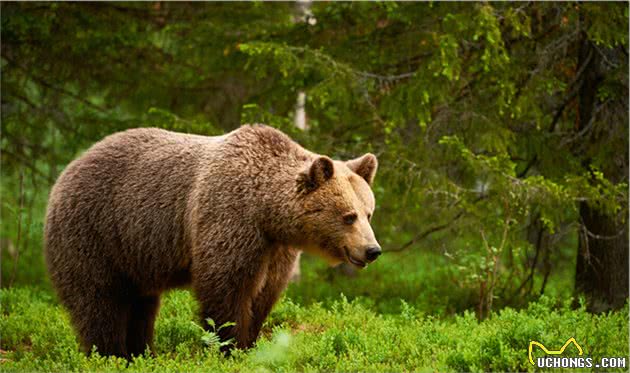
[{"x": 502, "y": 193}]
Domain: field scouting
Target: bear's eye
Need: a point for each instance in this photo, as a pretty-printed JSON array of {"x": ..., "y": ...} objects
[
  {"x": 350, "y": 218},
  {"x": 369, "y": 216}
]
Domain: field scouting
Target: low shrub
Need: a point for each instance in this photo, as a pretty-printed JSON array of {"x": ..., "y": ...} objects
[{"x": 339, "y": 335}]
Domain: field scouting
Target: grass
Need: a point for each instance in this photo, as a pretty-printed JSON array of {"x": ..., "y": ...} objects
[
  {"x": 388, "y": 280},
  {"x": 337, "y": 335}
]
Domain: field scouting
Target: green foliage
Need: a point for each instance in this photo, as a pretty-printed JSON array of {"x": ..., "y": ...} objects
[
  {"x": 211, "y": 338},
  {"x": 427, "y": 281},
  {"x": 347, "y": 336}
]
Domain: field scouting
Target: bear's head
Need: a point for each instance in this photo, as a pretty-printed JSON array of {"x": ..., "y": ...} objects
[{"x": 337, "y": 206}]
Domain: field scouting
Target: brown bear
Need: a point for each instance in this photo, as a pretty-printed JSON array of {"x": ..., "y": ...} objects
[{"x": 147, "y": 210}]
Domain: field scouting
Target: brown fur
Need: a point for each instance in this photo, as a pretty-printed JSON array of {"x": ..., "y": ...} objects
[{"x": 147, "y": 210}]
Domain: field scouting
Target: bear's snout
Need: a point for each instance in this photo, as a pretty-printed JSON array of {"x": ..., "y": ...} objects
[{"x": 372, "y": 252}]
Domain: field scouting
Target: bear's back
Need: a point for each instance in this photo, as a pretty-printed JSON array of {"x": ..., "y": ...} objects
[{"x": 125, "y": 200}]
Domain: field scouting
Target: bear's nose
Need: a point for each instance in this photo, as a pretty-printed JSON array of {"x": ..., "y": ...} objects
[{"x": 372, "y": 253}]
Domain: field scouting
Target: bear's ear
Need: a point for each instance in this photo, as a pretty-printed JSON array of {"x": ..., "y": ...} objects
[
  {"x": 364, "y": 166},
  {"x": 321, "y": 170}
]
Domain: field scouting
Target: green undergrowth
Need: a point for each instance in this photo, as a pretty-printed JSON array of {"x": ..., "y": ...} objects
[
  {"x": 340, "y": 335},
  {"x": 424, "y": 280},
  {"x": 428, "y": 281}
]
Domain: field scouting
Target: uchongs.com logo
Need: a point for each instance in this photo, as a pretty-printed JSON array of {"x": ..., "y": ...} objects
[{"x": 553, "y": 358}]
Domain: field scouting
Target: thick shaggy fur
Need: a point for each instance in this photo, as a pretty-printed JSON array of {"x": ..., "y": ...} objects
[{"x": 147, "y": 210}]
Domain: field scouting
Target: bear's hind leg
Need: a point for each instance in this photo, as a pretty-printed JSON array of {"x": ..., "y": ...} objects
[
  {"x": 103, "y": 324},
  {"x": 141, "y": 324}
]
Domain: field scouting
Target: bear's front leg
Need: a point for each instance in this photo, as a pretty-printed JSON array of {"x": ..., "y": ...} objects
[
  {"x": 226, "y": 298},
  {"x": 279, "y": 269},
  {"x": 225, "y": 278}
]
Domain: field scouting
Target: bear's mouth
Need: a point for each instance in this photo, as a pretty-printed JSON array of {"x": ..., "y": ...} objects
[{"x": 356, "y": 262}]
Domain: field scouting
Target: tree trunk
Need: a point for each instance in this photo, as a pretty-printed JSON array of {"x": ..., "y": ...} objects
[{"x": 602, "y": 262}]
